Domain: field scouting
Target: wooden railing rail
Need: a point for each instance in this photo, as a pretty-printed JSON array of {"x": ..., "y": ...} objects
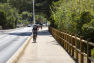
[{"x": 70, "y": 43}]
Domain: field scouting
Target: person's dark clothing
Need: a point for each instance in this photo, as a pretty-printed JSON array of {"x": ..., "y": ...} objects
[
  {"x": 41, "y": 26},
  {"x": 35, "y": 30}
]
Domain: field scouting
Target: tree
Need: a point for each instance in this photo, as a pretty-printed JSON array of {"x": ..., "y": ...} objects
[
  {"x": 10, "y": 12},
  {"x": 12, "y": 22},
  {"x": 40, "y": 6},
  {"x": 21, "y": 5},
  {"x": 26, "y": 15},
  {"x": 3, "y": 1},
  {"x": 19, "y": 21},
  {"x": 3, "y": 19}
]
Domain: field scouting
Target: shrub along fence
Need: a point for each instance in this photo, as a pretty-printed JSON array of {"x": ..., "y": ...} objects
[{"x": 71, "y": 42}]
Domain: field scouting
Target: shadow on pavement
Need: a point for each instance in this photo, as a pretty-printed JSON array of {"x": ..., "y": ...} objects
[
  {"x": 66, "y": 51},
  {"x": 34, "y": 42},
  {"x": 21, "y": 33},
  {"x": 44, "y": 32}
]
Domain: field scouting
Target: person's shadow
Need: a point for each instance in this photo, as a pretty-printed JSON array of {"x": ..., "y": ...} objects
[{"x": 34, "y": 42}]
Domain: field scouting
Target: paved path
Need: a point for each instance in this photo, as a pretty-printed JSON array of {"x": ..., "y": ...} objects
[{"x": 46, "y": 50}]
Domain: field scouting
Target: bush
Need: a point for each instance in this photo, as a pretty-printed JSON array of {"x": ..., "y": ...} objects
[
  {"x": 19, "y": 21},
  {"x": 88, "y": 31},
  {"x": 92, "y": 53},
  {"x": 73, "y": 17},
  {"x": 85, "y": 18}
]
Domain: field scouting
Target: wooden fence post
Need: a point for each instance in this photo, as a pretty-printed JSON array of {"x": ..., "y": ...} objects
[
  {"x": 76, "y": 45},
  {"x": 69, "y": 44},
  {"x": 58, "y": 36},
  {"x": 52, "y": 31},
  {"x": 81, "y": 50},
  {"x": 55, "y": 33},
  {"x": 88, "y": 51},
  {"x": 66, "y": 42},
  {"x": 72, "y": 42},
  {"x": 62, "y": 39}
]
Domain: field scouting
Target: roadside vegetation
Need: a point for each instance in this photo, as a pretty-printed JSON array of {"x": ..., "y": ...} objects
[
  {"x": 40, "y": 19},
  {"x": 21, "y": 11},
  {"x": 74, "y": 16},
  {"x": 13, "y": 12}
]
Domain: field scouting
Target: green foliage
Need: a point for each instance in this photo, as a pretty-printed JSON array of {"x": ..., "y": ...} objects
[
  {"x": 21, "y": 5},
  {"x": 40, "y": 19},
  {"x": 73, "y": 16},
  {"x": 41, "y": 6},
  {"x": 2, "y": 18},
  {"x": 26, "y": 15},
  {"x": 92, "y": 53},
  {"x": 19, "y": 21},
  {"x": 3, "y": 1},
  {"x": 13, "y": 7},
  {"x": 12, "y": 22},
  {"x": 25, "y": 22},
  {"x": 85, "y": 18},
  {"x": 11, "y": 15},
  {"x": 88, "y": 31}
]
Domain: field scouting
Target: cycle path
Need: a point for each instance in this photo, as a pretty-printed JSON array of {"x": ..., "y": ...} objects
[{"x": 45, "y": 50}]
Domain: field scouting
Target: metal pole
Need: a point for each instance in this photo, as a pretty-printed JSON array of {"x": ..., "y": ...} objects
[{"x": 33, "y": 13}]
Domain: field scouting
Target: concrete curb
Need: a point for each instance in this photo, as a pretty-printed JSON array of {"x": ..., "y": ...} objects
[{"x": 17, "y": 55}]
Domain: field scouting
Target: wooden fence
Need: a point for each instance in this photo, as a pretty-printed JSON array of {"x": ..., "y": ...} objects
[{"x": 70, "y": 43}]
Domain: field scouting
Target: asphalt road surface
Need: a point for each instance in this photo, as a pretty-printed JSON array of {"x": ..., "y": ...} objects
[{"x": 11, "y": 41}]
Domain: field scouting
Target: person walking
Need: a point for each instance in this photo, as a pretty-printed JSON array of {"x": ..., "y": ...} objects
[
  {"x": 41, "y": 26},
  {"x": 34, "y": 30}
]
